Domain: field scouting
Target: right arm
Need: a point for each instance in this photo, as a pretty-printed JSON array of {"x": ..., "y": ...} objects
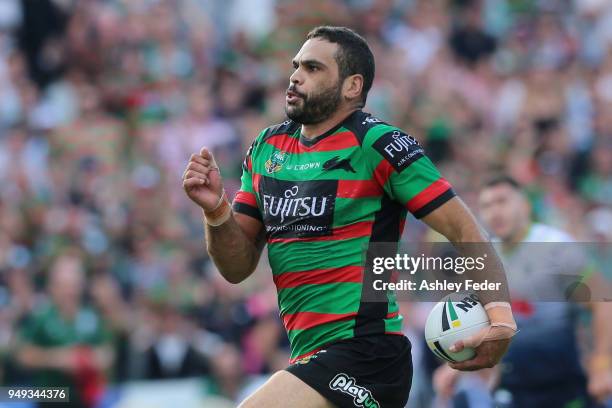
[
  {"x": 235, "y": 246},
  {"x": 234, "y": 241}
]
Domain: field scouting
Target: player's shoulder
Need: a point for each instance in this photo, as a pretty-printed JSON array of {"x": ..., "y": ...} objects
[
  {"x": 361, "y": 124},
  {"x": 385, "y": 141},
  {"x": 374, "y": 132},
  {"x": 286, "y": 127},
  {"x": 547, "y": 233}
]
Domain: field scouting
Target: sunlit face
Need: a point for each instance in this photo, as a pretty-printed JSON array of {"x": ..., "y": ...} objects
[
  {"x": 504, "y": 210},
  {"x": 315, "y": 89}
]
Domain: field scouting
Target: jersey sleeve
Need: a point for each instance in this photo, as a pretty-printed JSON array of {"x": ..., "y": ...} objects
[
  {"x": 245, "y": 201},
  {"x": 407, "y": 175}
]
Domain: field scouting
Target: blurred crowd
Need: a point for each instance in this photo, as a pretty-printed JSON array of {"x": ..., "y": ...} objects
[{"x": 103, "y": 273}]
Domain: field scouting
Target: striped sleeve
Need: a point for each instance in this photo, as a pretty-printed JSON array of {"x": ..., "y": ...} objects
[
  {"x": 245, "y": 201},
  {"x": 407, "y": 175}
]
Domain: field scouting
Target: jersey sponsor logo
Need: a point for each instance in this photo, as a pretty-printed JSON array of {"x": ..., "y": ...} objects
[
  {"x": 362, "y": 397},
  {"x": 276, "y": 161},
  {"x": 399, "y": 148},
  {"x": 337, "y": 163},
  {"x": 292, "y": 206},
  {"x": 299, "y": 208},
  {"x": 303, "y": 166}
]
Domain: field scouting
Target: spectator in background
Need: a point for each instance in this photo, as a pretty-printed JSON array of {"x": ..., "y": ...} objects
[
  {"x": 119, "y": 318},
  {"x": 228, "y": 378},
  {"x": 173, "y": 353},
  {"x": 198, "y": 126},
  {"x": 596, "y": 185},
  {"x": 44, "y": 23},
  {"x": 65, "y": 343},
  {"x": 468, "y": 40}
]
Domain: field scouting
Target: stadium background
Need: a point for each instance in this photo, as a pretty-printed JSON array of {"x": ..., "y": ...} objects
[{"x": 103, "y": 101}]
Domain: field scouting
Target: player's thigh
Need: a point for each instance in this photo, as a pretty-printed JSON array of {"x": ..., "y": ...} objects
[{"x": 283, "y": 390}]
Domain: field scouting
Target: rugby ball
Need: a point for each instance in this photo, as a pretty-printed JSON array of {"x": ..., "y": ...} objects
[{"x": 454, "y": 318}]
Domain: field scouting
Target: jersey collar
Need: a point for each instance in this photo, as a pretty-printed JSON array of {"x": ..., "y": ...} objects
[{"x": 309, "y": 142}]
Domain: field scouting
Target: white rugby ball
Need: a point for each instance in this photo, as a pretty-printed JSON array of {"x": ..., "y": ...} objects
[{"x": 454, "y": 318}]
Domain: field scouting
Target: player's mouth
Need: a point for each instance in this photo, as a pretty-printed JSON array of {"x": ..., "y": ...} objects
[{"x": 292, "y": 97}]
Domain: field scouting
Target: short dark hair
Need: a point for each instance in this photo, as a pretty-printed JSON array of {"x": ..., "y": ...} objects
[
  {"x": 503, "y": 179},
  {"x": 354, "y": 55}
]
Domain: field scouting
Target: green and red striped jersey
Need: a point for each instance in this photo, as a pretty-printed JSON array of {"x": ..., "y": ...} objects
[{"x": 322, "y": 201}]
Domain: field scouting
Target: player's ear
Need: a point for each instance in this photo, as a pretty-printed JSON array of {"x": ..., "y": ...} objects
[{"x": 352, "y": 86}]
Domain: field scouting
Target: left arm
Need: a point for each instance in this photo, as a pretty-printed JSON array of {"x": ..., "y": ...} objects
[
  {"x": 406, "y": 174},
  {"x": 455, "y": 221}
]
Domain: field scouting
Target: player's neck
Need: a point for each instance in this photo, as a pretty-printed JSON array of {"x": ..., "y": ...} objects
[{"x": 317, "y": 129}]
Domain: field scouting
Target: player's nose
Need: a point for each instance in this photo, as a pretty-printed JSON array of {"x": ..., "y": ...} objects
[{"x": 297, "y": 77}]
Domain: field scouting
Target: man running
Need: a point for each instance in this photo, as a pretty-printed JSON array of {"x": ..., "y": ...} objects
[{"x": 319, "y": 188}]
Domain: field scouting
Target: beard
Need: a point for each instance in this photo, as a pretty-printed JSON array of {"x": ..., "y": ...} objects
[{"x": 314, "y": 108}]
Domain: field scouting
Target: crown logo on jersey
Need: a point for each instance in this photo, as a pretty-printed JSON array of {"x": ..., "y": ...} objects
[{"x": 276, "y": 161}]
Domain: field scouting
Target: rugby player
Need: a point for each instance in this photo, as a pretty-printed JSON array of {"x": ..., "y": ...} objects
[
  {"x": 542, "y": 367},
  {"x": 318, "y": 189}
]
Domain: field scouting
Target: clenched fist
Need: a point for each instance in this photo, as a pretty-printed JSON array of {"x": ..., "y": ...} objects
[{"x": 202, "y": 180}]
